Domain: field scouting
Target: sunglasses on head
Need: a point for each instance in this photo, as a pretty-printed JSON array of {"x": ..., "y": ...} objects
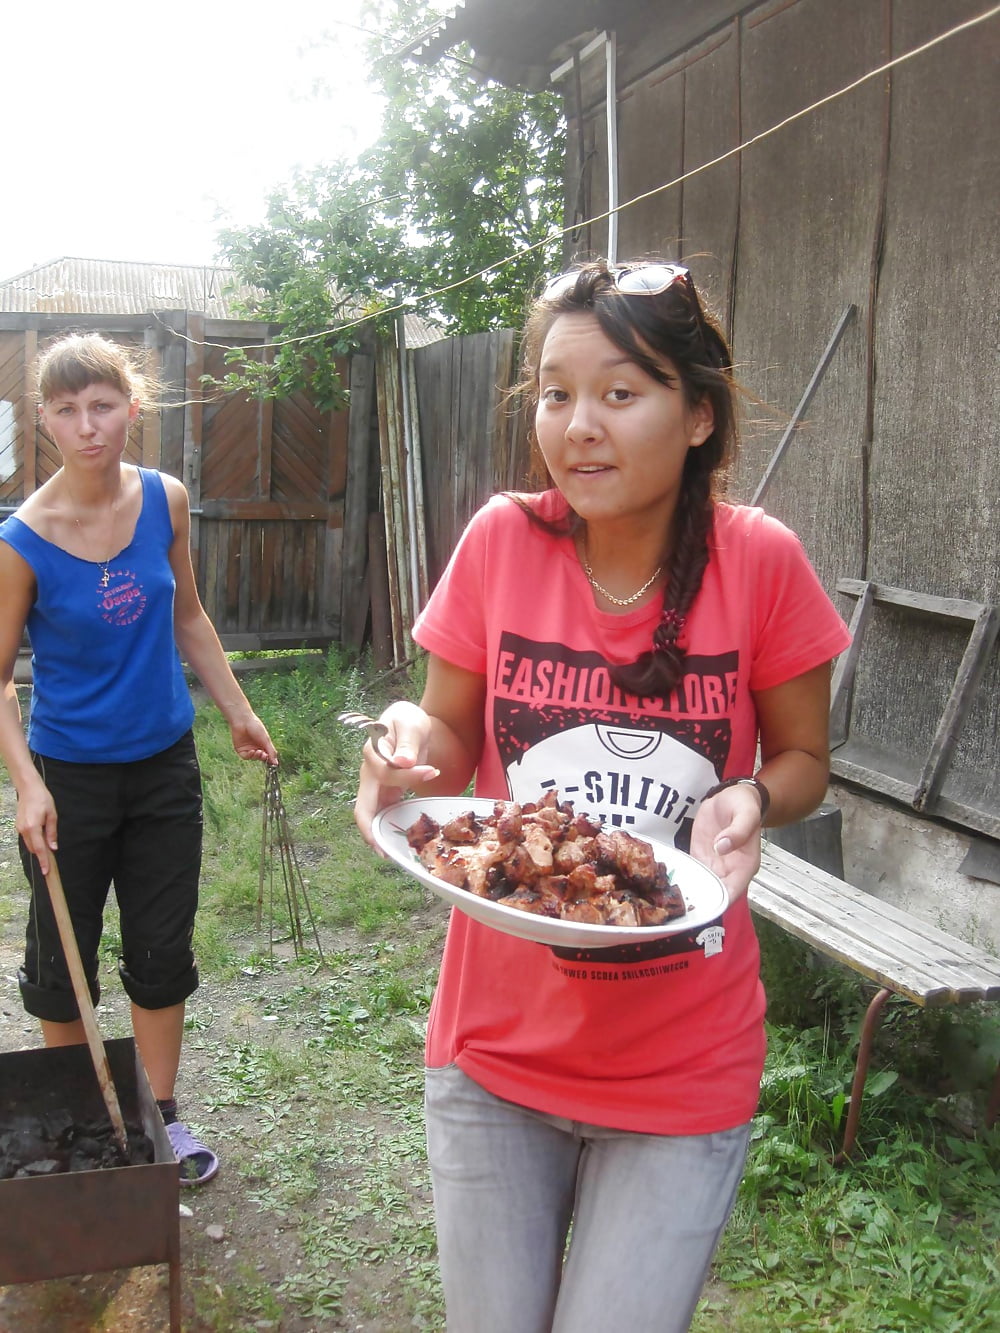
[{"x": 630, "y": 279}]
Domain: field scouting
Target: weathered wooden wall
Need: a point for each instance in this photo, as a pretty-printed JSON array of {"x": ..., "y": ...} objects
[
  {"x": 884, "y": 199},
  {"x": 472, "y": 440}
]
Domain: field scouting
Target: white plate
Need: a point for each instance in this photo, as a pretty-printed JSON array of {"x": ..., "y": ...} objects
[{"x": 704, "y": 892}]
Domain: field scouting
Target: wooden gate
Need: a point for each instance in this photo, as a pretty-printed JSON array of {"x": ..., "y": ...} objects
[{"x": 266, "y": 480}]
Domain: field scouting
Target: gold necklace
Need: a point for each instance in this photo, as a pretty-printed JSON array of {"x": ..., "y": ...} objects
[
  {"x": 105, "y": 571},
  {"x": 620, "y": 601}
]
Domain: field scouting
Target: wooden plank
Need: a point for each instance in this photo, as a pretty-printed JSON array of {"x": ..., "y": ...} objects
[
  {"x": 465, "y": 436},
  {"x": 270, "y": 587},
  {"x": 265, "y": 434},
  {"x": 403, "y": 546},
  {"x": 651, "y": 151},
  {"x": 300, "y": 465},
  {"x": 291, "y": 575},
  {"x": 248, "y": 573},
  {"x": 337, "y": 430},
  {"x": 332, "y": 573},
  {"x": 942, "y": 608},
  {"x": 934, "y": 445},
  {"x": 869, "y": 961},
  {"x": 509, "y": 467},
  {"x": 711, "y": 200},
  {"x": 229, "y": 572},
  {"x": 354, "y": 599},
  {"x": 267, "y": 511},
  {"x": 50, "y": 325},
  {"x": 228, "y": 465},
  {"x": 416, "y": 473},
  {"x": 432, "y": 370},
  {"x": 843, "y": 767},
  {"x": 980, "y": 645},
  {"x": 378, "y": 579},
  {"x": 234, "y": 332},
  {"x": 208, "y": 576},
  {"x": 846, "y": 669},
  {"x": 971, "y": 816},
  {"x": 820, "y": 889},
  {"x": 393, "y": 496},
  {"x": 788, "y": 59},
  {"x": 850, "y": 932}
]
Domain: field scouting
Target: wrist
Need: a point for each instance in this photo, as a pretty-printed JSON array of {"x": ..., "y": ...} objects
[
  {"x": 758, "y": 786},
  {"x": 237, "y": 712}
]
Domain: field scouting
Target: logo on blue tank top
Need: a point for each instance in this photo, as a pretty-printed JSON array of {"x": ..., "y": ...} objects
[{"x": 123, "y": 601}]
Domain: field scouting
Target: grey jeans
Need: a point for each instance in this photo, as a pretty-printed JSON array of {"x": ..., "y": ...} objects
[{"x": 646, "y": 1210}]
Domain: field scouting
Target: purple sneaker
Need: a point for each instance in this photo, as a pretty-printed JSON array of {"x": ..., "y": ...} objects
[{"x": 198, "y": 1164}]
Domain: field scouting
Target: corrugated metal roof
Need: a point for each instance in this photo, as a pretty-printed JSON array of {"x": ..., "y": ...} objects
[
  {"x": 418, "y": 333},
  {"x": 72, "y": 286}
]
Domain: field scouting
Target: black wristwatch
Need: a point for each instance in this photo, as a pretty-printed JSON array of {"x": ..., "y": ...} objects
[{"x": 762, "y": 792}]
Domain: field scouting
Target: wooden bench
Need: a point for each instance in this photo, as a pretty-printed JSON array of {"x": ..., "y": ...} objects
[{"x": 899, "y": 952}]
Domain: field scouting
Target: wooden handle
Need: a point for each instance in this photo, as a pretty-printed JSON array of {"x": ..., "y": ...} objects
[{"x": 81, "y": 990}]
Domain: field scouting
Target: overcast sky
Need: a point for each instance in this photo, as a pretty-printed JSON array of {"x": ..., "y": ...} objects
[{"x": 131, "y": 128}]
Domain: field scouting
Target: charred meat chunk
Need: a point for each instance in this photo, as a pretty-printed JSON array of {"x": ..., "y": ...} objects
[{"x": 542, "y": 857}]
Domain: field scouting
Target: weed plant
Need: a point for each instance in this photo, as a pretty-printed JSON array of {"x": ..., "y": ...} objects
[{"x": 905, "y": 1238}]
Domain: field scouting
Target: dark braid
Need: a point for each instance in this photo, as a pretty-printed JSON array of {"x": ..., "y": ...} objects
[{"x": 657, "y": 671}]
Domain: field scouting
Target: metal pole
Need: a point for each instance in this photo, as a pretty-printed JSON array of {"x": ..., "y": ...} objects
[
  {"x": 611, "y": 102},
  {"x": 411, "y": 493}
]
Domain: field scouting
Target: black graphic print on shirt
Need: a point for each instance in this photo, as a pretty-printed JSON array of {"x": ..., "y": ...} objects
[{"x": 560, "y": 723}]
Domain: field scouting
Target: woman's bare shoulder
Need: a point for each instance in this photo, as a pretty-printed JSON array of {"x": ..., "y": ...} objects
[
  {"x": 43, "y": 510},
  {"x": 16, "y": 575},
  {"x": 175, "y": 489}
]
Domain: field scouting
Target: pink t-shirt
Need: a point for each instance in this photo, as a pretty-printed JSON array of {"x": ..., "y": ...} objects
[{"x": 667, "y": 1036}]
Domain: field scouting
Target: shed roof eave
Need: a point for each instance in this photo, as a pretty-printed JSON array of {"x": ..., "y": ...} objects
[{"x": 519, "y": 43}]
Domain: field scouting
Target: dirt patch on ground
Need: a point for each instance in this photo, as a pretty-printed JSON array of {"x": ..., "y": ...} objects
[{"x": 239, "y": 1245}]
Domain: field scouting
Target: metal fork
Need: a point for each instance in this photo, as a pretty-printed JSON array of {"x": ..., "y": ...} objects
[{"x": 375, "y": 729}]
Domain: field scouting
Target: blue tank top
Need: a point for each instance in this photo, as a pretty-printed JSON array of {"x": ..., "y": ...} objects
[{"x": 108, "y": 682}]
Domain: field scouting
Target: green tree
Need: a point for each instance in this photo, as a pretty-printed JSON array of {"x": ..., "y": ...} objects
[{"x": 447, "y": 212}]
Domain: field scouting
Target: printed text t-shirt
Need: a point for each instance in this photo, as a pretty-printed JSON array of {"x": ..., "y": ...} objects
[{"x": 665, "y": 1037}]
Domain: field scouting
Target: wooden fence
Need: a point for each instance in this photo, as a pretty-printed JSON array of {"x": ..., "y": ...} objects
[
  {"x": 308, "y": 527},
  {"x": 447, "y": 440}
]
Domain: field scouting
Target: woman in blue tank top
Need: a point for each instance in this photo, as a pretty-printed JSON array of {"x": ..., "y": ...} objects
[{"x": 96, "y": 567}]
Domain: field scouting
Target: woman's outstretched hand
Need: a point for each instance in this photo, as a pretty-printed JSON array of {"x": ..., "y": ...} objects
[
  {"x": 381, "y": 782},
  {"x": 251, "y": 739},
  {"x": 726, "y": 837}
]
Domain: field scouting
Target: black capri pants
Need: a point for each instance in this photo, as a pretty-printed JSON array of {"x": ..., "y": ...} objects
[{"x": 137, "y": 826}]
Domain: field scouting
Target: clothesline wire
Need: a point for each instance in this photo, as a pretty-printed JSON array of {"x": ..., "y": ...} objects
[{"x": 403, "y": 307}]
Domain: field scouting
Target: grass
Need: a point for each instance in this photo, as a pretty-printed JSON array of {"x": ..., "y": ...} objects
[{"x": 905, "y": 1238}]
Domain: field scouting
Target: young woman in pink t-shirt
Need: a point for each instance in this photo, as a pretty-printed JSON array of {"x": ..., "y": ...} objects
[{"x": 629, "y": 634}]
